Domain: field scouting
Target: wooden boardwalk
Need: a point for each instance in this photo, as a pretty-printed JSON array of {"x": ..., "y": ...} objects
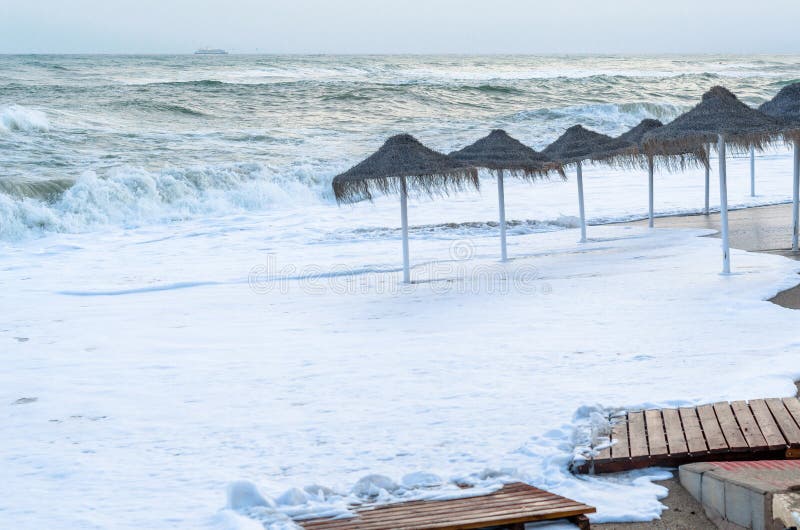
[
  {"x": 759, "y": 429},
  {"x": 510, "y": 507}
]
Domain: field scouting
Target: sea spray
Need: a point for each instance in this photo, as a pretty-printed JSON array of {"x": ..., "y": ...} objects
[
  {"x": 130, "y": 197},
  {"x": 16, "y": 118}
]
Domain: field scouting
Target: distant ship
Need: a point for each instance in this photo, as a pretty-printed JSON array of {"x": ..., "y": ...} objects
[{"x": 210, "y": 51}]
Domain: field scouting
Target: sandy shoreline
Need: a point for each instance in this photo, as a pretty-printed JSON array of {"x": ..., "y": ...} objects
[{"x": 758, "y": 229}]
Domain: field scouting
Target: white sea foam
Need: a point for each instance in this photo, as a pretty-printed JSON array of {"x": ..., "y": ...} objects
[
  {"x": 156, "y": 411},
  {"x": 130, "y": 197},
  {"x": 16, "y": 118}
]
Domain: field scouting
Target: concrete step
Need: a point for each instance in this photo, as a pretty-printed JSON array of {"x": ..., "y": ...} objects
[{"x": 757, "y": 495}]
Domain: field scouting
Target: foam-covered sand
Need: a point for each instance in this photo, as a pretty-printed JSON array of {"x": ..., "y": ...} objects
[{"x": 167, "y": 368}]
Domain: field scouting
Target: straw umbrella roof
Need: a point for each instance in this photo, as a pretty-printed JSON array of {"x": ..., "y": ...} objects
[
  {"x": 579, "y": 143},
  {"x": 634, "y": 136},
  {"x": 635, "y": 156},
  {"x": 500, "y": 152},
  {"x": 719, "y": 112},
  {"x": 427, "y": 171},
  {"x": 785, "y": 106}
]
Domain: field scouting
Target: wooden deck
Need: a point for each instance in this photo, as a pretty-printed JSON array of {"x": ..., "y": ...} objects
[
  {"x": 510, "y": 507},
  {"x": 759, "y": 429}
]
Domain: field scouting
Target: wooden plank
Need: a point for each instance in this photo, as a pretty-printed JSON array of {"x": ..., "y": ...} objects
[
  {"x": 451, "y": 522},
  {"x": 405, "y": 517},
  {"x": 675, "y": 440},
  {"x": 695, "y": 440},
  {"x": 619, "y": 435},
  {"x": 787, "y": 425},
  {"x": 604, "y": 453},
  {"x": 459, "y": 524},
  {"x": 512, "y": 505},
  {"x": 730, "y": 428},
  {"x": 435, "y": 509},
  {"x": 581, "y": 521},
  {"x": 793, "y": 406},
  {"x": 711, "y": 429},
  {"x": 770, "y": 430},
  {"x": 656, "y": 438},
  {"x": 465, "y": 505},
  {"x": 749, "y": 426},
  {"x": 637, "y": 435}
]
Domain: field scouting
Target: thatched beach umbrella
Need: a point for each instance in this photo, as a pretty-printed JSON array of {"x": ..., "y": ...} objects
[
  {"x": 576, "y": 145},
  {"x": 785, "y": 106},
  {"x": 634, "y": 153},
  {"x": 500, "y": 153},
  {"x": 634, "y": 156},
  {"x": 722, "y": 116},
  {"x": 400, "y": 165}
]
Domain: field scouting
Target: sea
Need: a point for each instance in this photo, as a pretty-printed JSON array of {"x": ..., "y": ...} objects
[{"x": 98, "y": 141}]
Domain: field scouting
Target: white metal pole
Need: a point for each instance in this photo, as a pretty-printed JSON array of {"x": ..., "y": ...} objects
[
  {"x": 502, "y": 204},
  {"x": 650, "y": 188},
  {"x": 404, "y": 221},
  {"x": 796, "y": 196},
  {"x": 708, "y": 170},
  {"x": 723, "y": 205},
  {"x": 752, "y": 171},
  {"x": 579, "y": 171}
]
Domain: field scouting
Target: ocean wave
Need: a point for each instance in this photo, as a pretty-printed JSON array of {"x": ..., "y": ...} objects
[
  {"x": 49, "y": 66},
  {"x": 155, "y": 106},
  {"x": 609, "y": 118},
  {"x": 198, "y": 83},
  {"x": 47, "y": 190},
  {"x": 494, "y": 89},
  {"x": 130, "y": 197},
  {"x": 16, "y": 118}
]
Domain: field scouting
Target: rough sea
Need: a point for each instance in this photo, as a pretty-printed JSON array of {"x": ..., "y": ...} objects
[{"x": 90, "y": 141}]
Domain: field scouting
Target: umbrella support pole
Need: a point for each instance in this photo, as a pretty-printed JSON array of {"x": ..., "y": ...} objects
[
  {"x": 796, "y": 196},
  {"x": 650, "y": 190},
  {"x": 708, "y": 170},
  {"x": 723, "y": 206},
  {"x": 404, "y": 222},
  {"x": 501, "y": 199},
  {"x": 752, "y": 171},
  {"x": 579, "y": 171}
]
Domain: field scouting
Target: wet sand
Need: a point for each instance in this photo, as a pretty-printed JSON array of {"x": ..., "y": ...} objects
[
  {"x": 757, "y": 229},
  {"x": 761, "y": 229},
  {"x": 682, "y": 513}
]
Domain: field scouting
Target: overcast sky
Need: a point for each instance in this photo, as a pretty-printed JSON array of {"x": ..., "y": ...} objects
[{"x": 400, "y": 26}]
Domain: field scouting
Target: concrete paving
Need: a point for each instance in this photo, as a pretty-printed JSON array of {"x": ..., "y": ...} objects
[{"x": 756, "y": 495}]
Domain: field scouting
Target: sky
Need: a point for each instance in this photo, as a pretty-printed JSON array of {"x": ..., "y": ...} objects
[{"x": 405, "y": 26}]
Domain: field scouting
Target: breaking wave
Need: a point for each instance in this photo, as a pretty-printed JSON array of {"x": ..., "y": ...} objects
[
  {"x": 16, "y": 118},
  {"x": 130, "y": 197},
  {"x": 610, "y": 118}
]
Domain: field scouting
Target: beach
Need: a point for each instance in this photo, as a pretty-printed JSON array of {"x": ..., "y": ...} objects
[
  {"x": 284, "y": 413},
  {"x": 759, "y": 229},
  {"x": 188, "y": 307}
]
